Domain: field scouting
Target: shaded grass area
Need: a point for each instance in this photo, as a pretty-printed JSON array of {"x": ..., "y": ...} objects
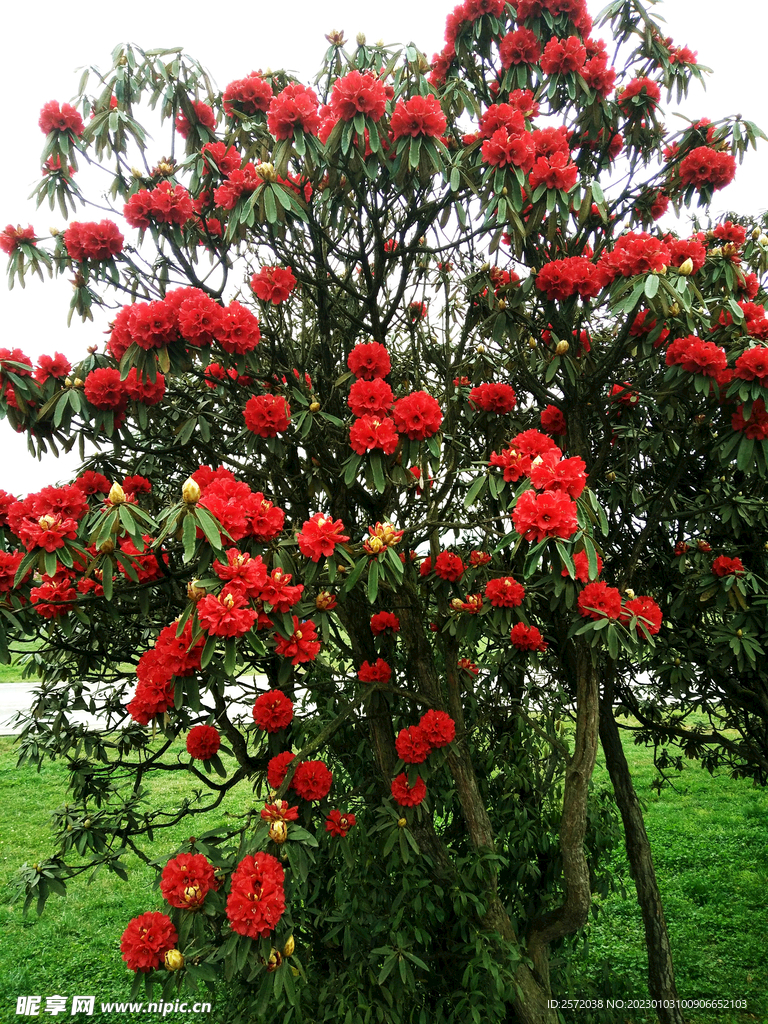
[
  {"x": 709, "y": 837},
  {"x": 74, "y": 947},
  {"x": 710, "y": 841}
]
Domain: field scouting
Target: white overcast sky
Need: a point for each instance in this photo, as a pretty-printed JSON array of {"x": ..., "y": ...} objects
[{"x": 240, "y": 37}]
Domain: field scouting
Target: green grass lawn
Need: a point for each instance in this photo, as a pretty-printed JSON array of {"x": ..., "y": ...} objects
[{"x": 709, "y": 835}]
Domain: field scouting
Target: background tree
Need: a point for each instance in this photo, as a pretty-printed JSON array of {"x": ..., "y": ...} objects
[{"x": 412, "y": 422}]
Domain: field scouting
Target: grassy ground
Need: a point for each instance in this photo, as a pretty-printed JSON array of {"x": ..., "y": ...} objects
[{"x": 710, "y": 837}]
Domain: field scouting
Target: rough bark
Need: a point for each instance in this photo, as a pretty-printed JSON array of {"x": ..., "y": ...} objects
[
  {"x": 661, "y": 976},
  {"x": 574, "y": 910}
]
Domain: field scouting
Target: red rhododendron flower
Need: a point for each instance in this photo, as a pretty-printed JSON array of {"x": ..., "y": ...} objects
[
  {"x": 277, "y": 768},
  {"x": 704, "y": 166},
  {"x": 204, "y": 116},
  {"x": 683, "y": 249},
  {"x": 554, "y": 172},
  {"x": 264, "y": 519},
  {"x": 384, "y": 622},
  {"x": 147, "y": 939},
  {"x": 91, "y": 241},
  {"x": 248, "y": 95},
  {"x": 505, "y": 149},
  {"x": 405, "y": 795},
  {"x": 501, "y": 115},
  {"x": 64, "y": 118},
  {"x": 371, "y": 432},
  {"x": 730, "y": 232},
  {"x": 756, "y": 427},
  {"x": 273, "y": 711},
  {"x": 224, "y": 158},
  {"x": 358, "y": 93},
  {"x": 635, "y": 253},
  {"x": 54, "y": 597},
  {"x": 203, "y": 741},
  {"x": 244, "y": 571},
  {"x": 527, "y": 638},
  {"x": 418, "y": 415},
  {"x": 438, "y": 727},
  {"x": 420, "y": 116},
  {"x": 267, "y": 415},
  {"x": 505, "y": 592},
  {"x": 551, "y": 473},
  {"x": 648, "y": 613},
  {"x": 696, "y": 356},
  {"x": 319, "y": 536},
  {"x": 574, "y": 275},
  {"x": 225, "y": 615},
  {"x": 646, "y": 89},
  {"x": 551, "y": 514},
  {"x": 412, "y": 745},
  {"x": 370, "y": 397},
  {"x": 553, "y": 421},
  {"x": 256, "y": 900},
  {"x": 581, "y": 566},
  {"x": 145, "y": 563},
  {"x": 563, "y": 55},
  {"x": 302, "y": 645},
  {"x": 498, "y": 398},
  {"x": 295, "y": 107},
  {"x": 599, "y": 601},
  {"x": 519, "y": 47},
  {"x": 151, "y": 324},
  {"x": 279, "y": 593},
  {"x": 449, "y": 566},
  {"x": 237, "y": 330},
  {"x": 56, "y": 366},
  {"x": 339, "y": 824},
  {"x": 753, "y": 365},
  {"x": 378, "y": 672},
  {"x": 166, "y": 204},
  {"x": 198, "y": 318},
  {"x": 724, "y": 566},
  {"x": 133, "y": 485},
  {"x": 11, "y": 238},
  {"x": 186, "y": 880},
  {"x": 142, "y": 389},
  {"x": 273, "y": 284},
  {"x": 369, "y": 360},
  {"x": 312, "y": 780},
  {"x": 104, "y": 389},
  {"x": 279, "y": 811}
]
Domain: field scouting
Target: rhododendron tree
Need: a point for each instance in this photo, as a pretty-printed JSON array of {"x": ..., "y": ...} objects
[{"x": 414, "y": 422}]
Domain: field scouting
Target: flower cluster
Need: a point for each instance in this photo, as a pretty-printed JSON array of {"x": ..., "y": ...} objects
[
  {"x": 256, "y": 900},
  {"x": 146, "y": 940},
  {"x": 186, "y": 880},
  {"x": 165, "y": 204},
  {"x": 92, "y": 241}
]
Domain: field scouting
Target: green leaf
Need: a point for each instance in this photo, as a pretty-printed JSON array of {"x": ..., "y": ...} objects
[
  {"x": 651, "y": 286},
  {"x": 190, "y": 536},
  {"x": 475, "y": 490},
  {"x": 373, "y": 581},
  {"x": 377, "y": 469}
]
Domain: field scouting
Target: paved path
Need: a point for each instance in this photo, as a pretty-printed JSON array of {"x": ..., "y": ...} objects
[{"x": 15, "y": 697}]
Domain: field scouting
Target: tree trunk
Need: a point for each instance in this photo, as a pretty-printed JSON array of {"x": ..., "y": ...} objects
[{"x": 661, "y": 977}]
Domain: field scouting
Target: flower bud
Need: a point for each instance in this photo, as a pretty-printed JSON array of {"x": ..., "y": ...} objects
[
  {"x": 289, "y": 947},
  {"x": 532, "y": 342},
  {"x": 275, "y": 960},
  {"x": 278, "y": 831},
  {"x": 190, "y": 491},
  {"x": 107, "y": 547},
  {"x": 266, "y": 172},
  {"x": 401, "y": 822},
  {"x": 116, "y": 495},
  {"x": 762, "y": 240},
  {"x": 195, "y": 593},
  {"x": 629, "y": 594},
  {"x": 562, "y": 348},
  {"x": 360, "y": 38},
  {"x": 674, "y": 309},
  {"x": 686, "y": 267},
  {"x": 174, "y": 960},
  {"x": 756, "y": 232},
  {"x": 481, "y": 349},
  {"x": 314, "y": 407},
  {"x": 45, "y": 522},
  {"x": 78, "y": 382}
]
